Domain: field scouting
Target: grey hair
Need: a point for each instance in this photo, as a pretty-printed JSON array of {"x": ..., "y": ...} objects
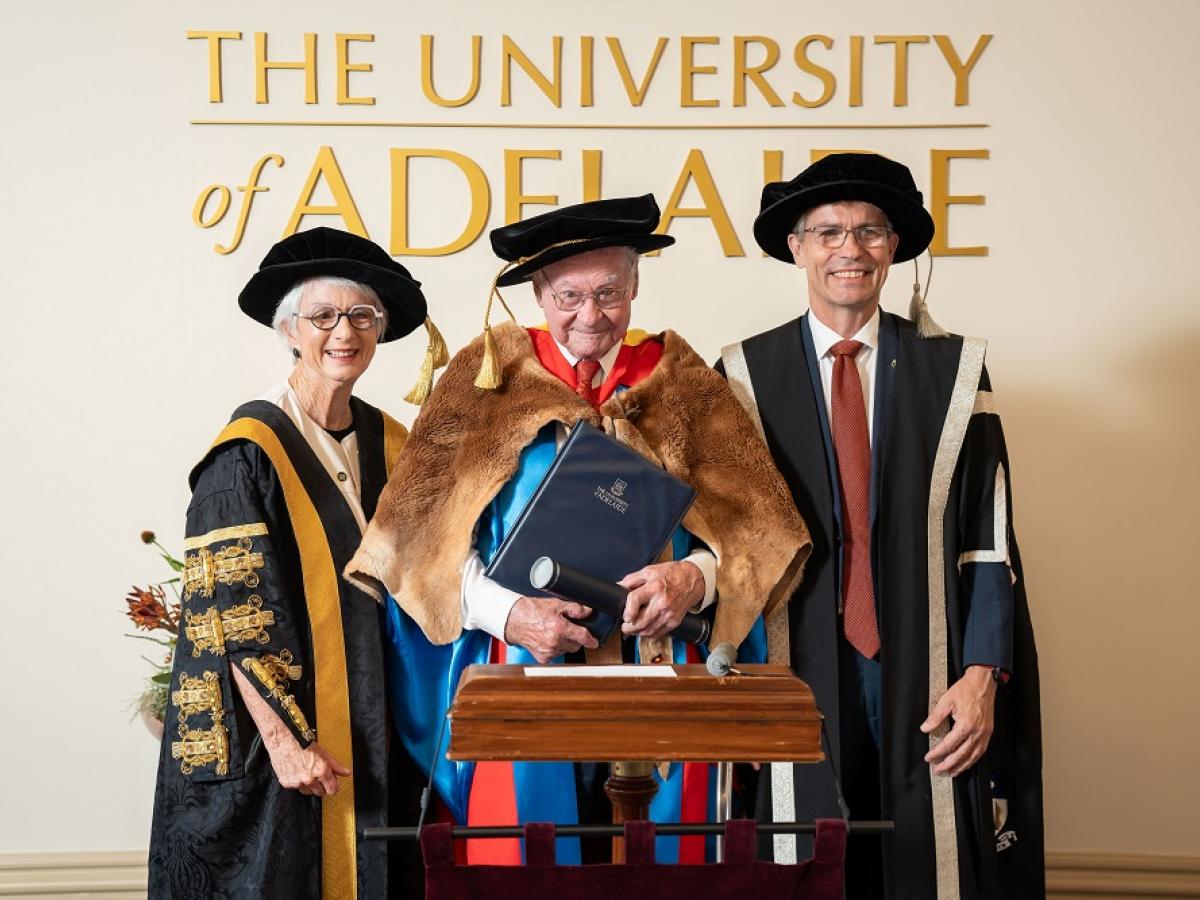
[
  {"x": 631, "y": 257},
  {"x": 798, "y": 228},
  {"x": 289, "y": 306}
]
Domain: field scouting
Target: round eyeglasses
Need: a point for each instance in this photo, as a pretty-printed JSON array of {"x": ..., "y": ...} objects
[
  {"x": 362, "y": 317},
  {"x": 869, "y": 237},
  {"x": 606, "y": 297}
]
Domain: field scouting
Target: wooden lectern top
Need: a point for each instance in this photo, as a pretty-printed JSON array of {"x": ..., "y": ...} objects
[{"x": 501, "y": 713}]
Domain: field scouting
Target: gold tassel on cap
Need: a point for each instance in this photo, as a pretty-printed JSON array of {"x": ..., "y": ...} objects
[
  {"x": 436, "y": 356},
  {"x": 918, "y": 308},
  {"x": 491, "y": 369}
]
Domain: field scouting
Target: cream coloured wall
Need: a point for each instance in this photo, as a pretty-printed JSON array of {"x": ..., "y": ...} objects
[{"x": 1086, "y": 296}]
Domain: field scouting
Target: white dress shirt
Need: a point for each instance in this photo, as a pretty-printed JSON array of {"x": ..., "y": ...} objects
[
  {"x": 825, "y": 337},
  {"x": 486, "y": 604}
]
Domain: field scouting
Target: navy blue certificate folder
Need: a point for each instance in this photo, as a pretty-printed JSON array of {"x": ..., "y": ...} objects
[{"x": 600, "y": 507}]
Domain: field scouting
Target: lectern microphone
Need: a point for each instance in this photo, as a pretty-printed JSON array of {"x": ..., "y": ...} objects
[
  {"x": 569, "y": 583},
  {"x": 721, "y": 659}
]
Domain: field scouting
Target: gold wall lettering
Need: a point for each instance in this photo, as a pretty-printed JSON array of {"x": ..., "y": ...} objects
[
  {"x": 744, "y": 73},
  {"x": 738, "y": 70},
  {"x": 694, "y": 169},
  {"x": 248, "y": 190},
  {"x": 345, "y": 67},
  {"x": 515, "y": 198},
  {"x": 427, "y": 87},
  {"x": 550, "y": 86},
  {"x": 940, "y": 201},
  {"x": 961, "y": 70},
  {"x": 706, "y": 66},
  {"x": 262, "y": 65},
  {"x": 822, "y": 74},
  {"x": 326, "y": 166},
  {"x": 857, "y": 43},
  {"x": 688, "y": 70},
  {"x": 636, "y": 92},
  {"x": 215, "y": 89},
  {"x": 592, "y": 161},
  {"x": 481, "y": 198},
  {"x": 900, "y": 62},
  {"x": 223, "y": 196},
  {"x": 587, "y": 71}
]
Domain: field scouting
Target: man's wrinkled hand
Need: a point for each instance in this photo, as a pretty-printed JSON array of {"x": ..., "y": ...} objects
[
  {"x": 971, "y": 703},
  {"x": 541, "y": 625},
  {"x": 659, "y": 595}
]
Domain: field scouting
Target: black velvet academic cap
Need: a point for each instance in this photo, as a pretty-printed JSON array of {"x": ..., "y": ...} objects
[
  {"x": 545, "y": 239},
  {"x": 327, "y": 251},
  {"x": 839, "y": 177}
]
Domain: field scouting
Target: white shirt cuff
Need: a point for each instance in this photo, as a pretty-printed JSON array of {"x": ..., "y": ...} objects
[
  {"x": 707, "y": 564},
  {"x": 485, "y": 604}
]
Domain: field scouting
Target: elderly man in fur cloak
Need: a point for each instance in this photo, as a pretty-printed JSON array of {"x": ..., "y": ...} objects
[
  {"x": 912, "y": 626},
  {"x": 481, "y": 444}
]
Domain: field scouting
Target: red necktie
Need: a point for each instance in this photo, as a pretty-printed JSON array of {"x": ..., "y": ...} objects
[
  {"x": 585, "y": 372},
  {"x": 852, "y": 445}
]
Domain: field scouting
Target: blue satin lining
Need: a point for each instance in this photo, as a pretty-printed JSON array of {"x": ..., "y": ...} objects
[
  {"x": 421, "y": 682},
  {"x": 422, "y": 679}
]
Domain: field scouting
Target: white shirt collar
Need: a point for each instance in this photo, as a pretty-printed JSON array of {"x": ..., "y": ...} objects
[
  {"x": 607, "y": 361},
  {"x": 825, "y": 337}
]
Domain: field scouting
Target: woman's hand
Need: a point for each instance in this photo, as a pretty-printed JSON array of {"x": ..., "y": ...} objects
[{"x": 310, "y": 770}]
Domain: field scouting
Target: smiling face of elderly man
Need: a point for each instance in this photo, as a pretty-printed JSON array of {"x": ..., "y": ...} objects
[{"x": 588, "y": 298}]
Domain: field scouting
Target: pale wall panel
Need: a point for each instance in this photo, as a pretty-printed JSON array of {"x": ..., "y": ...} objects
[{"x": 1087, "y": 296}]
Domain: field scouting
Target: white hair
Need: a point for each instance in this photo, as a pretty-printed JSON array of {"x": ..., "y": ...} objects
[
  {"x": 631, "y": 256},
  {"x": 289, "y": 306}
]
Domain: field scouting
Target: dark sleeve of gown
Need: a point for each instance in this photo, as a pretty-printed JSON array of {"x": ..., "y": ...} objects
[
  {"x": 985, "y": 534},
  {"x": 243, "y": 606}
]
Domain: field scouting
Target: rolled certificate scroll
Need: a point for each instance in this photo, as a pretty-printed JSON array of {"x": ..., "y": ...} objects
[{"x": 568, "y": 583}]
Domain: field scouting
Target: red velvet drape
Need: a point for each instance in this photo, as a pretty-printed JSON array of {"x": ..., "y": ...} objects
[{"x": 740, "y": 876}]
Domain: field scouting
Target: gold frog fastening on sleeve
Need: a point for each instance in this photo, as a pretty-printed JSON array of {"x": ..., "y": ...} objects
[
  {"x": 234, "y": 564},
  {"x": 198, "y": 695},
  {"x": 202, "y": 747},
  {"x": 212, "y": 629},
  {"x": 270, "y": 670}
]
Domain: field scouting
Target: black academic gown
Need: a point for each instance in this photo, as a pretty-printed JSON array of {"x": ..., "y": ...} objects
[
  {"x": 268, "y": 533},
  {"x": 989, "y": 824}
]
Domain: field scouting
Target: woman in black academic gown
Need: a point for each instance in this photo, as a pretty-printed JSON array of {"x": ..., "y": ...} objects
[{"x": 274, "y": 755}]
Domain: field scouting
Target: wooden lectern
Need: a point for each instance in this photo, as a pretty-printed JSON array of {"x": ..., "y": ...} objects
[{"x": 634, "y": 717}]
